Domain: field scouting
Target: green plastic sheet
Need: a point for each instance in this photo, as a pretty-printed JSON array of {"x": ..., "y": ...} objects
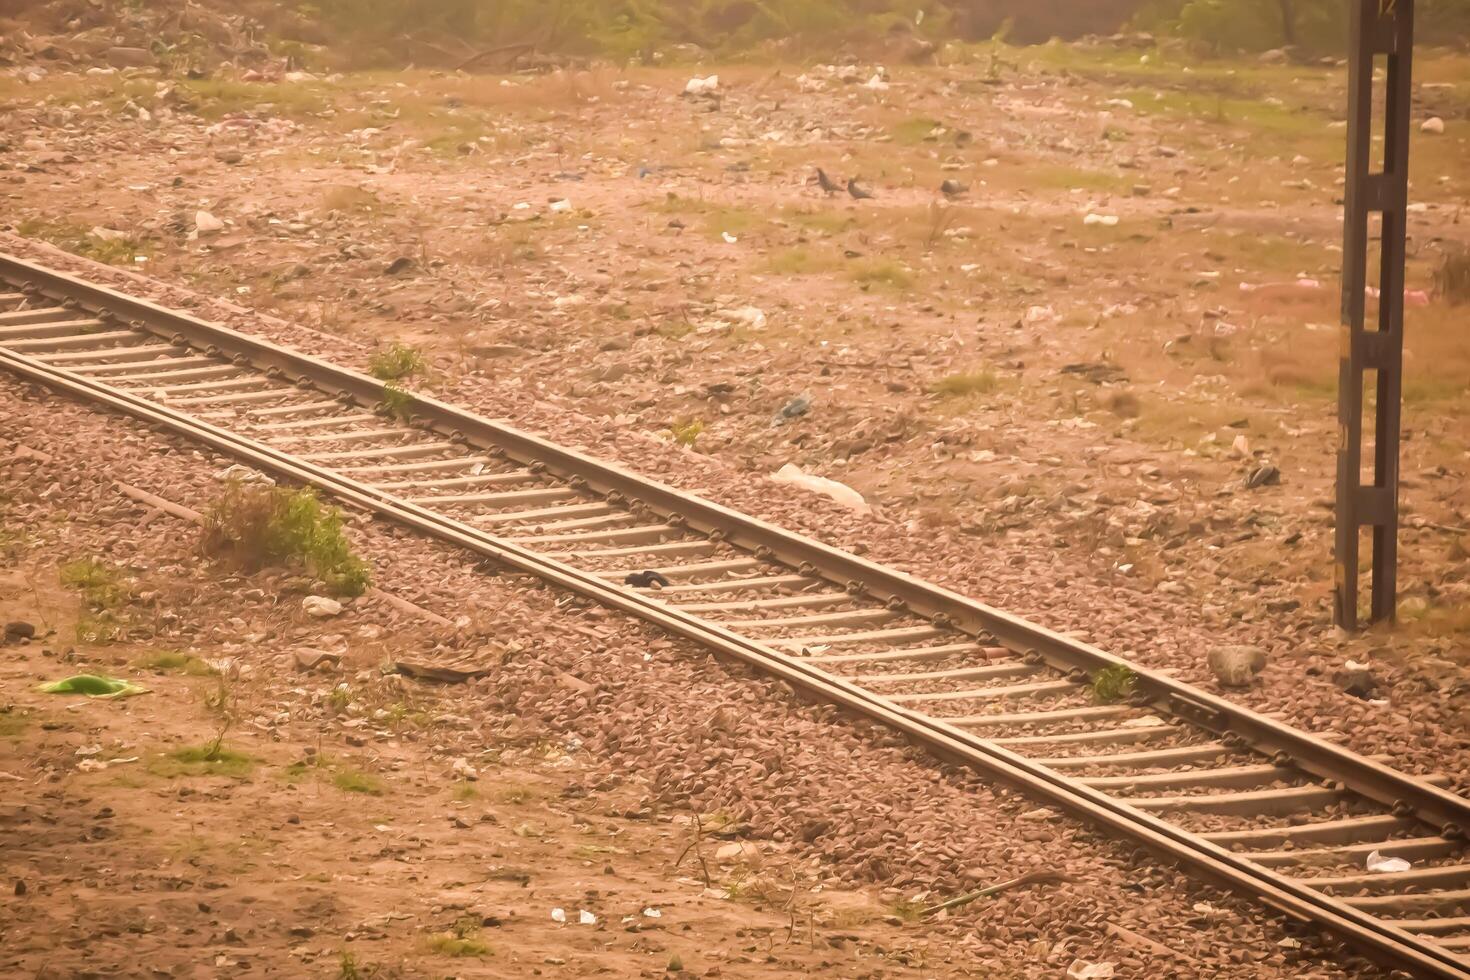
[{"x": 94, "y": 686}]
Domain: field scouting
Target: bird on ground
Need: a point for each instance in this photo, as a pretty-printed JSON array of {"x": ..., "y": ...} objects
[
  {"x": 828, "y": 185},
  {"x": 953, "y": 188},
  {"x": 646, "y": 579},
  {"x": 858, "y": 191}
]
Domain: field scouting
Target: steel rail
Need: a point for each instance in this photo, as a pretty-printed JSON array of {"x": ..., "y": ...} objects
[{"x": 1384, "y": 943}]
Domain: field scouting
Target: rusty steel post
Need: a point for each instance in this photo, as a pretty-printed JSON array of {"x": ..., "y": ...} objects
[{"x": 1379, "y": 28}]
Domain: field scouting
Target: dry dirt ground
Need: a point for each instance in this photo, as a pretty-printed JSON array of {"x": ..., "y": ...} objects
[{"x": 1053, "y": 415}]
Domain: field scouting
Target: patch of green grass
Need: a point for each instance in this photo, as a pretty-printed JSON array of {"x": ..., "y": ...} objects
[
  {"x": 350, "y": 780},
  {"x": 798, "y": 262},
  {"x": 828, "y": 222},
  {"x": 907, "y": 909},
  {"x": 965, "y": 383},
  {"x": 13, "y": 723},
  {"x": 215, "y": 98},
  {"x": 257, "y": 526},
  {"x": 1113, "y": 683},
  {"x": 100, "y": 584},
  {"x": 397, "y": 401},
  {"x": 686, "y": 431},
  {"x": 465, "y": 791},
  {"x": 913, "y": 131},
  {"x": 396, "y": 361},
  {"x": 107, "y": 249},
  {"x": 463, "y": 939},
  {"x": 172, "y": 661},
  {"x": 202, "y": 760},
  {"x": 889, "y": 275}
]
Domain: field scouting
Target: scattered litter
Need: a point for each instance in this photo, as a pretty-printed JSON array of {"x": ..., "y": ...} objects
[
  {"x": 876, "y": 84},
  {"x": 586, "y": 918},
  {"x": 244, "y": 474},
  {"x": 840, "y": 492},
  {"x": 94, "y": 686},
  {"x": 462, "y": 769},
  {"x": 562, "y": 205},
  {"x": 308, "y": 658},
  {"x": 1412, "y": 297},
  {"x": 702, "y": 86},
  {"x": 1107, "y": 221},
  {"x": 1147, "y": 721},
  {"x": 558, "y": 915},
  {"x": 1302, "y": 283},
  {"x": 1083, "y": 970},
  {"x": 795, "y": 408},
  {"x": 437, "y": 672},
  {"x": 1241, "y": 446},
  {"x": 320, "y": 606},
  {"x": 1041, "y": 314},
  {"x": 729, "y": 238},
  {"x": 97, "y": 765},
  {"x": 1433, "y": 124},
  {"x": 652, "y": 913},
  {"x": 1379, "y": 864}
]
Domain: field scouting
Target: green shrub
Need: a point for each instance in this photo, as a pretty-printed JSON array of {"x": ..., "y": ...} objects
[
  {"x": 395, "y": 362},
  {"x": 257, "y": 526}
]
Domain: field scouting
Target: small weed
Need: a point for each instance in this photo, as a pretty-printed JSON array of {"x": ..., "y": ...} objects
[
  {"x": 686, "y": 431},
  {"x": 965, "y": 383},
  {"x": 340, "y": 698},
  {"x": 797, "y": 262},
  {"x": 171, "y": 662},
  {"x": 676, "y": 965},
  {"x": 1113, "y": 683},
  {"x": 349, "y": 969},
  {"x": 395, "y": 362},
  {"x": 913, "y": 131},
  {"x": 350, "y": 780},
  {"x": 100, "y": 584},
  {"x": 463, "y": 939},
  {"x": 1452, "y": 278},
  {"x": 465, "y": 791},
  {"x": 13, "y": 722},
  {"x": 350, "y": 200},
  {"x": 258, "y": 526},
  {"x": 907, "y": 909},
  {"x": 396, "y": 401},
  {"x": 1124, "y": 404},
  {"x": 202, "y": 760},
  {"x": 887, "y": 274}
]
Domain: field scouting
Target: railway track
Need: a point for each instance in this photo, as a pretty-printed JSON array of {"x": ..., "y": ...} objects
[{"x": 1235, "y": 797}]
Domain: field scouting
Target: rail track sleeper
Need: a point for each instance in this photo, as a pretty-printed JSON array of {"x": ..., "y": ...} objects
[
  {"x": 988, "y": 693},
  {"x": 477, "y": 480},
  {"x": 1443, "y": 874},
  {"x": 110, "y": 355},
  {"x": 605, "y": 520},
  {"x": 296, "y": 408},
  {"x": 1409, "y": 848},
  {"x": 674, "y": 548},
  {"x": 783, "y": 602},
  {"x": 243, "y": 398},
  {"x": 1451, "y": 923},
  {"x": 347, "y": 435},
  {"x": 1017, "y": 718},
  {"x": 1101, "y": 736},
  {"x": 410, "y": 451},
  {"x": 910, "y": 633},
  {"x": 1346, "y": 830},
  {"x": 643, "y": 532},
  {"x": 425, "y": 466},
  {"x": 683, "y": 571},
  {"x": 916, "y": 654},
  {"x": 123, "y": 370},
  {"x": 1232, "y": 776},
  {"x": 756, "y": 583},
  {"x": 97, "y": 340},
  {"x": 1149, "y": 757},
  {"x": 496, "y": 499},
  {"x": 297, "y": 424},
  {"x": 545, "y": 513},
  {"x": 212, "y": 369},
  {"x": 173, "y": 391},
  {"x": 1407, "y": 900},
  {"x": 22, "y": 324},
  {"x": 1013, "y": 669},
  {"x": 1258, "y": 803},
  {"x": 849, "y": 617}
]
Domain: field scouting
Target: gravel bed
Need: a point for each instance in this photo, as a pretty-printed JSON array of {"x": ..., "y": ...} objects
[{"x": 802, "y": 782}]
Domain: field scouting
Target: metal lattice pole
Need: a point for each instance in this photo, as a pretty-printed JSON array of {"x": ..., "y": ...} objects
[{"x": 1380, "y": 29}]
